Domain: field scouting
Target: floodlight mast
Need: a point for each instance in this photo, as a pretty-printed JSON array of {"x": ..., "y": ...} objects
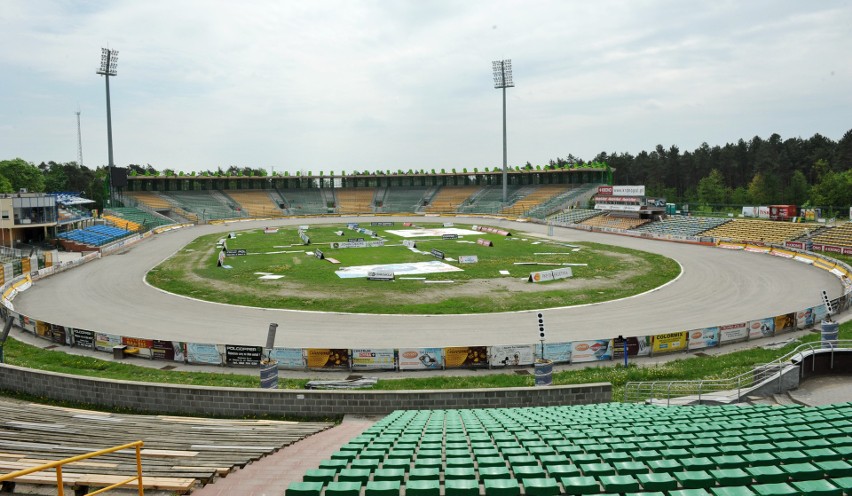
[
  {"x": 109, "y": 67},
  {"x": 502, "y": 80}
]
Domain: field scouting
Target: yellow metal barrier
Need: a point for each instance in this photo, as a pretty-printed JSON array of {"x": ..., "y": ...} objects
[{"x": 60, "y": 490}]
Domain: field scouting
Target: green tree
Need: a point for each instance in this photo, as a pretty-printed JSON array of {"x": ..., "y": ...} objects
[
  {"x": 834, "y": 190},
  {"x": 797, "y": 192},
  {"x": 22, "y": 174},
  {"x": 758, "y": 190},
  {"x": 5, "y": 185},
  {"x": 711, "y": 189}
]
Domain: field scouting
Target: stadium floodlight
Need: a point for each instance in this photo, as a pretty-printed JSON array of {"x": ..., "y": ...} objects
[
  {"x": 502, "y": 80},
  {"x": 109, "y": 67}
]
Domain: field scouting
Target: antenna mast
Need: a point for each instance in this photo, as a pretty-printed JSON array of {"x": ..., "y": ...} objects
[{"x": 79, "y": 140}]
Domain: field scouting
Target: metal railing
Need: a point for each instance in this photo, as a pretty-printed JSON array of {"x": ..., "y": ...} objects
[
  {"x": 732, "y": 388},
  {"x": 60, "y": 490}
]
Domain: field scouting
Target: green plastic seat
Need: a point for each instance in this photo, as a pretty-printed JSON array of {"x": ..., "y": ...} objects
[
  {"x": 835, "y": 468},
  {"x": 731, "y": 491},
  {"x": 335, "y": 465},
  {"x": 525, "y": 472},
  {"x": 792, "y": 456},
  {"x": 459, "y": 473},
  {"x": 486, "y": 452},
  {"x": 646, "y": 455},
  {"x": 360, "y": 475},
  {"x": 423, "y": 488},
  {"x": 429, "y": 473},
  {"x": 486, "y": 473},
  {"x": 630, "y": 468},
  {"x": 817, "y": 488},
  {"x": 821, "y": 454},
  {"x": 689, "y": 492},
  {"x": 760, "y": 459},
  {"x": 697, "y": 464},
  {"x": 657, "y": 482},
  {"x": 583, "y": 458},
  {"x": 694, "y": 479},
  {"x": 597, "y": 469},
  {"x": 459, "y": 462},
  {"x": 347, "y": 455},
  {"x": 615, "y": 456},
  {"x": 501, "y": 487},
  {"x": 513, "y": 451},
  {"x": 321, "y": 475},
  {"x": 731, "y": 476},
  {"x": 619, "y": 483},
  {"x": 522, "y": 461},
  {"x": 541, "y": 486},
  {"x": 789, "y": 445},
  {"x": 802, "y": 471},
  {"x": 561, "y": 471},
  {"x": 705, "y": 451},
  {"x": 304, "y": 489},
  {"x": 665, "y": 466},
  {"x": 372, "y": 455},
  {"x": 767, "y": 474},
  {"x": 389, "y": 474},
  {"x": 461, "y": 487},
  {"x": 580, "y": 485},
  {"x": 778, "y": 489},
  {"x": 402, "y": 463},
  {"x": 844, "y": 483},
  {"x": 382, "y": 488},
  {"x": 675, "y": 453},
  {"x": 730, "y": 461},
  {"x": 429, "y": 453},
  {"x": 554, "y": 459},
  {"x": 370, "y": 464},
  {"x": 490, "y": 461},
  {"x": 343, "y": 488},
  {"x": 428, "y": 463}
]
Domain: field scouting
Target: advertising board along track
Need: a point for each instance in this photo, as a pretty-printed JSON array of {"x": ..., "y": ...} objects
[{"x": 715, "y": 287}]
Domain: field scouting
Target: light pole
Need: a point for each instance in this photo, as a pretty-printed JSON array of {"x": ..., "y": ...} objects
[
  {"x": 502, "y": 80},
  {"x": 109, "y": 67}
]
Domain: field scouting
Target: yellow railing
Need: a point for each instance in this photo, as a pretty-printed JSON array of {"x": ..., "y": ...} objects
[{"x": 60, "y": 491}]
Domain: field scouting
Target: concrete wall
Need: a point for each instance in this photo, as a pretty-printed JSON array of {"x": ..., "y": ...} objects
[{"x": 143, "y": 397}]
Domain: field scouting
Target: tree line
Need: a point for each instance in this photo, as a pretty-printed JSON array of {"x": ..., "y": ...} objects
[{"x": 816, "y": 171}]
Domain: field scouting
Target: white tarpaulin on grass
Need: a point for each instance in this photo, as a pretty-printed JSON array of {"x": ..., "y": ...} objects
[
  {"x": 437, "y": 232},
  {"x": 399, "y": 269}
]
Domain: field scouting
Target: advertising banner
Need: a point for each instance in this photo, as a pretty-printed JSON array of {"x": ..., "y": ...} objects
[
  {"x": 762, "y": 328},
  {"x": 326, "y": 358},
  {"x": 59, "y": 335},
  {"x": 373, "y": 359},
  {"x": 26, "y": 323},
  {"x": 468, "y": 259},
  {"x": 243, "y": 355},
  {"x": 628, "y": 190},
  {"x": 207, "y": 354},
  {"x": 512, "y": 355},
  {"x": 105, "y": 342},
  {"x": 42, "y": 329},
  {"x": 81, "y": 338},
  {"x": 703, "y": 338},
  {"x": 669, "y": 342},
  {"x": 557, "y": 352},
  {"x": 466, "y": 356},
  {"x": 820, "y": 313},
  {"x": 167, "y": 350},
  {"x": 288, "y": 358},
  {"x": 785, "y": 323},
  {"x": 420, "y": 359},
  {"x": 550, "y": 275},
  {"x": 638, "y": 346},
  {"x": 732, "y": 333},
  {"x": 805, "y": 318},
  {"x": 591, "y": 351}
]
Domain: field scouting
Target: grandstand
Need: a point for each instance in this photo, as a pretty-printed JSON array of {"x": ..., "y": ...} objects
[
  {"x": 614, "y": 222},
  {"x": 309, "y": 201},
  {"x": 490, "y": 200},
  {"x": 354, "y": 200},
  {"x": 121, "y": 223},
  {"x": 681, "y": 225},
  {"x": 575, "y": 215},
  {"x": 138, "y": 216},
  {"x": 613, "y": 448},
  {"x": 207, "y": 205},
  {"x": 92, "y": 236},
  {"x": 256, "y": 203},
  {"x": 534, "y": 197},
  {"x": 573, "y": 197},
  {"x": 403, "y": 199},
  {"x": 837, "y": 236},
  {"x": 765, "y": 231},
  {"x": 451, "y": 198}
]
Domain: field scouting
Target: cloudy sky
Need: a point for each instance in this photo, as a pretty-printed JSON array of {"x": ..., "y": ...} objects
[{"x": 389, "y": 84}]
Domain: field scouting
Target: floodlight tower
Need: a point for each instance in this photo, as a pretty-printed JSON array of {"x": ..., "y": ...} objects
[
  {"x": 109, "y": 67},
  {"x": 79, "y": 141},
  {"x": 502, "y": 80}
]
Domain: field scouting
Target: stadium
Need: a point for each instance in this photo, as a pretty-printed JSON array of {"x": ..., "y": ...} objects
[{"x": 739, "y": 282}]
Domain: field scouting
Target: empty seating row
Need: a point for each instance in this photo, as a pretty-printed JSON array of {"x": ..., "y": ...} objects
[
  {"x": 594, "y": 449},
  {"x": 682, "y": 226},
  {"x": 256, "y": 203},
  {"x": 838, "y": 236},
  {"x": 536, "y": 197},
  {"x": 490, "y": 201},
  {"x": 451, "y": 198},
  {"x": 307, "y": 201},
  {"x": 354, "y": 200},
  {"x": 766, "y": 231},
  {"x": 139, "y": 216},
  {"x": 403, "y": 199},
  {"x": 614, "y": 222},
  {"x": 575, "y": 215},
  {"x": 95, "y": 235}
]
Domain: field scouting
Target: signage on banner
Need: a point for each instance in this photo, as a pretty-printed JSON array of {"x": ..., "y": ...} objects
[
  {"x": 243, "y": 355},
  {"x": 448, "y": 224},
  {"x": 550, "y": 275},
  {"x": 785, "y": 323},
  {"x": 484, "y": 242},
  {"x": 304, "y": 237},
  {"x": 410, "y": 243},
  {"x": 82, "y": 338},
  {"x": 628, "y": 190},
  {"x": 352, "y": 225},
  {"x": 318, "y": 253},
  {"x": 288, "y": 358},
  {"x": 636, "y": 347},
  {"x": 203, "y": 353},
  {"x": 805, "y": 318},
  {"x": 762, "y": 328},
  {"x": 604, "y": 190},
  {"x": 58, "y": 334},
  {"x": 355, "y": 240},
  {"x": 167, "y": 350},
  {"x": 591, "y": 351},
  {"x": 511, "y": 356},
  {"x": 420, "y": 359},
  {"x": 557, "y": 352},
  {"x": 232, "y": 235},
  {"x": 365, "y": 359},
  {"x": 137, "y": 342},
  {"x": 105, "y": 342},
  {"x": 703, "y": 338},
  {"x": 468, "y": 259},
  {"x": 306, "y": 227},
  {"x": 437, "y": 253},
  {"x": 359, "y": 244},
  {"x": 669, "y": 342},
  {"x": 380, "y": 274},
  {"x": 466, "y": 356},
  {"x": 733, "y": 332},
  {"x": 269, "y": 230},
  {"x": 449, "y": 236},
  {"x": 381, "y": 224},
  {"x": 235, "y": 253},
  {"x": 319, "y": 358},
  {"x": 492, "y": 230}
]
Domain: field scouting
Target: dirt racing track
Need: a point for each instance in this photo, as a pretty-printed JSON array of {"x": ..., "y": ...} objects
[{"x": 716, "y": 287}]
